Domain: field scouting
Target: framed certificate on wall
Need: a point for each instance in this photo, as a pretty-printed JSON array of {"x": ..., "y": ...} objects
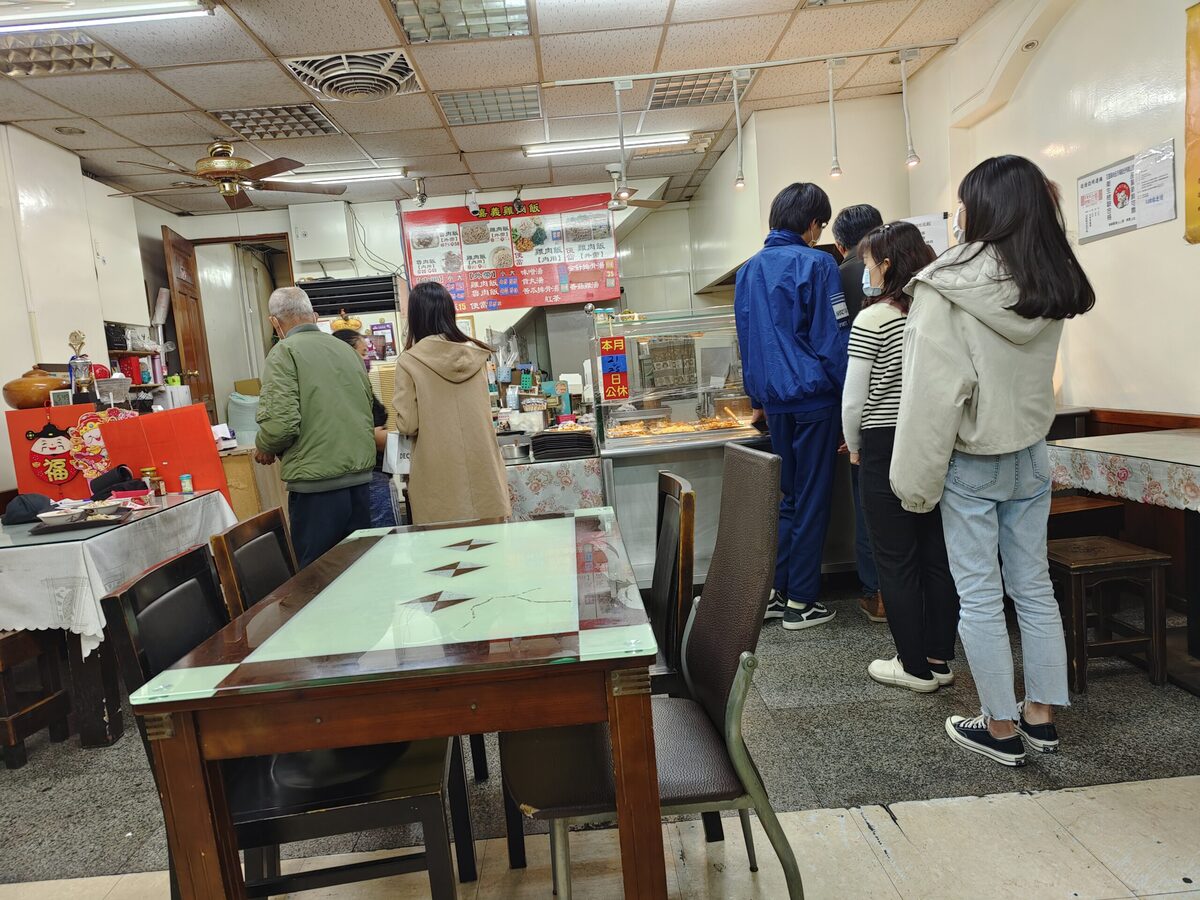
[{"x": 466, "y": 324}]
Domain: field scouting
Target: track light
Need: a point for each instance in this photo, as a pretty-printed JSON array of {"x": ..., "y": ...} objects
[
  {"x": 905, "y": 55},
  {"x": 473, "y": 202},
  {"x": 739, "y": 183},
  {"x": 835, "y": 169},
  {"x": 623, "y": 192}
]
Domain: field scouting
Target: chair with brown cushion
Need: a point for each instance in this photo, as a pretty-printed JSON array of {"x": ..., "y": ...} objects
[
  {"x": 23, "y": 713},
  {"x": 253, "y": 558},
  {"x": 703, "y": 762},
  {"x": 174, "y": 607}
]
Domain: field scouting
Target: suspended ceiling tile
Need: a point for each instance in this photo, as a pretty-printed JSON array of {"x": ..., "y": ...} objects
[
  {"x": 722, "y": 43},
  {"x": 446, "y": 185},
  {"x": 391, "y": 114},
  {"x": 697, "y": 177},
  {"x": 499, "y": 136},
  {"x": 842, "y": 28},
  {"x": 417, "y": 142},
  {"x": 580, "y": 174},
  {"x": 18, "y": 103},
  {"x": 235, "y": 85},
  {"x": 319, "y": 149},
  {"x": 786, "y": 81},
  {"x": 94, "y": 137},
  {"x": 177, "y": 42},
  {"x": 502, "y": 161},
  {"x": 591, "y": 99},
  {"x": 187, "y": 155},
  {"x": 168, "y": 128},
  {"x": 301, "y": 27},
  {"x": 120, "y": 162},
  {"x": 696, "y": 10},
  {"x": 515, "y": 178},
  {"x": 374, "y": 192},
  {"x": 936, "y": 20},
  {"x": 869, "y": 90},
  {"x": 724, "y": 139},
  {"x": 599, "y": 54},
  {"x": 586, "y": 128},
  {"x": 564, "y": 16},
  {"x": 880, "y": 69},
  {"x": 108, "y": 93},
  {"x": 674, "y": 195},
  {"x": 475, "y": 64},
  {"x": 440, "y": 164},
  {"x": 664, "y": 165},
  {"x": 693, "y": 118}
]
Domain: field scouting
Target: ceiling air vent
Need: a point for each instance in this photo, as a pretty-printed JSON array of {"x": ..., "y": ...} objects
[
  {"x": 262, "y": 123},
  {"x": 356, "y": 77},
  {"x": 506, "y": 104},
  {"x": 53, "y": 53}
]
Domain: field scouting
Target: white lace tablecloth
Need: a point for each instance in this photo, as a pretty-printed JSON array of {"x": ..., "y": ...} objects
[
  {"x": 59, "y": 585},
  {"x": 1161, "y": 468}
]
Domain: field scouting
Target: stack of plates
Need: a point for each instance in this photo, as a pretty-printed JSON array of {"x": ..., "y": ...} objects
[{"x": 554, "y": 445}]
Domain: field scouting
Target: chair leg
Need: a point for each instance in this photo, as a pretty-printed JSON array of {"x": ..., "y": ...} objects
[
  {"x": 15, "y": 755},
  {"x": 744, "y": 815},
  {"x": 514, "y": 826},
  {"x": 1156, "y": 627},
  {"x": 437, "y": 851},
  {"x": 460, "y": 816},
  {"x": 1077, "y": 604},
  {"x": 479, "y": 757},
  {"x": 271, "y": 861},
  {"x": 561, "y": 857},
  {"x": 779, "y": 841},
  {"x": 256, "y": 864},
  {"x": 714, "y": 832},
  {"x": 553, "y": 860}
]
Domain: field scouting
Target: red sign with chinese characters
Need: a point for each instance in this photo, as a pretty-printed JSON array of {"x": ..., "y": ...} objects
[
  {"x": 558, "y": 250},
  {"x": 614, "y": 369}
]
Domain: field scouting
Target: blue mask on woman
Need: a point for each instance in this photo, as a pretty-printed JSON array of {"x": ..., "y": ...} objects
[{"x": 867, "y": 289}]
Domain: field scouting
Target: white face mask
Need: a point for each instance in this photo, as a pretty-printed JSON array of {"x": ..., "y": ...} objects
[
  {"x": 959, "y": 233},
  {"x": 867, "y": 288}
]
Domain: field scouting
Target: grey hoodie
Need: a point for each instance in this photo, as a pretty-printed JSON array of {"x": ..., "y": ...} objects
[{"x": 977, "y": 377}]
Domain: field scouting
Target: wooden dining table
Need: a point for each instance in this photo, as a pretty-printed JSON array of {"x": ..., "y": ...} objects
[{"x": 415, "y": 633}]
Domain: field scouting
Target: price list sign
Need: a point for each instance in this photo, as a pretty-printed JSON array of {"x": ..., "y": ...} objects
[
  {"x": 552, "y": 251},
  {"x": 614, "y": 368}
]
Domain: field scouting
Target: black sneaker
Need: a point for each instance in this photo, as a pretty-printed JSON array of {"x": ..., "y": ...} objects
[
  {"x": 776, "y": 606},
  {"x": 973, "y": 735},
  {"x": 1043, "y": 738},
  {"x": 805, "y": 615}
]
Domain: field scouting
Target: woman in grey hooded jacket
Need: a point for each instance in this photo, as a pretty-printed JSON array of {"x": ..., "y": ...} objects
[{"x": 978, "y": 399}]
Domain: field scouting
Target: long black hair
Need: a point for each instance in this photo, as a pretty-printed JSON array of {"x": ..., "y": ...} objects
[
  {"x": 431, "y": 312},
  {"x": 1012, "y": 207},
  {"x": 902, "y": 245}
]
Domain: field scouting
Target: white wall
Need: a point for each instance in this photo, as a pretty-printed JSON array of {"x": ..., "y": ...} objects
[
  {"x": 116, "y": 259},
  {"x": 655, "y": 261},
  {"x": 1078, "y": 107},
  {"x": 725, "y": 223}
]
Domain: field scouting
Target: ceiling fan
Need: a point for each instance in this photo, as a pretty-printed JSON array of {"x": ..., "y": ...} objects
[
  {"x": 622, "y": 192},
  {"x": 233, "y": 176}
]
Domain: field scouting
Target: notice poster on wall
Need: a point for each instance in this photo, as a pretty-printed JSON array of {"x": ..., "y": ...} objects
[
  {"x": 933, "y": 228},
  {"x": 557, "y": 250},
  {"x": 1154, "y": 184},
  {"x": 1191, "y": 130},
  {"x": 1105, "y": 199}
]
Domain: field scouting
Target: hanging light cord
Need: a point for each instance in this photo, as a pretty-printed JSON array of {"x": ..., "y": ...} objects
[
  {"x": 904, "y": 102},
  {"x": 737, "y": 118},
  {"x": 835, "y": 168},
  {"x": 620, "y": 131}
]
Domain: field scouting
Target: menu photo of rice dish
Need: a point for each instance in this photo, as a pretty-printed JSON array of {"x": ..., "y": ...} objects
[
  {"x": 537, "y": 240},
  {"x": 588, "y": 236},
  {"x": 486, "y": 245},
  {"x": 435, "y": 249}
]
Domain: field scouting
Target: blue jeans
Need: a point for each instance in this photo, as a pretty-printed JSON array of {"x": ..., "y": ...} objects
[
  {"x": 864, "y": 559},
  {"x": 994, "y": 513}
]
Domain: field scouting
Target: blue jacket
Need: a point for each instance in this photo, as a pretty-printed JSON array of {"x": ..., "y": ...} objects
[{"x": 793, "y": 326}]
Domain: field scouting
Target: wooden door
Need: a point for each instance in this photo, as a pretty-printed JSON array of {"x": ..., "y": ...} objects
[{"x": 184, "y": 282}]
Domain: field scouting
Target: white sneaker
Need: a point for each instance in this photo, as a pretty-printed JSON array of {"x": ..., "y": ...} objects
[
  {"x": 890, "y": 671},
  {"x": 944, "y": 679}
]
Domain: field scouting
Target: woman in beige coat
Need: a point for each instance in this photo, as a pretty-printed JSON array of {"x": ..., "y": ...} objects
[{"x": 442, "y": 401}]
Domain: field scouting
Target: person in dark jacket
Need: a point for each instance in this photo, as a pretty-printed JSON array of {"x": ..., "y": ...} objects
[
  {"x": 851, "y": 225},
  {"x": 793, "y": 327},
  {"x": 382, "y": 513}
]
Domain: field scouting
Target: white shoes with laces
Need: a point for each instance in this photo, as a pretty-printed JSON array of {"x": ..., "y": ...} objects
[{"x": 891, "y": 671}]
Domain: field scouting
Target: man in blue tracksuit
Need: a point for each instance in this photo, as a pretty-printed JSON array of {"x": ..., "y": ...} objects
[{"x": 793, "y": 329}]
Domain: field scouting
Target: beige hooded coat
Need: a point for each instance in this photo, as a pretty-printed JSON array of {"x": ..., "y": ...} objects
[{"x": 442, "y": 400}]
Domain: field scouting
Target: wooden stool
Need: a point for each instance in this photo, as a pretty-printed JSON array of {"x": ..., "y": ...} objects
[
  {"x": 1081, "y": 515},
  {"x": 25, "y": 713},
  {"x": 1078, "y": 566}
]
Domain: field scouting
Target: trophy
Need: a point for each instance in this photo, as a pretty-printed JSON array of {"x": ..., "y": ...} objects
[{"x": 81, "y": 370}]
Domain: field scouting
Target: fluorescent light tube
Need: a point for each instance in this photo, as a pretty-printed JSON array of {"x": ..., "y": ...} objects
[
  {"x": 26, "y": 21},
  {"x": 613, "y": 143},
  {"x": 342, "y": 177}
]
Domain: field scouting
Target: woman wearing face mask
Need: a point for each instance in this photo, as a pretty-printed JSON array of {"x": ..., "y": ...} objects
[
  {"x": 978, "y": 399},
  {"x": 382, "y": 512},
  {"x": 792, "y": 326},
  {"x": 910, "y": 553}
]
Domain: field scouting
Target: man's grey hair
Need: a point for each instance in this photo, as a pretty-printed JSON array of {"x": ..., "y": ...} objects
[{"x": 288, "y": 303}]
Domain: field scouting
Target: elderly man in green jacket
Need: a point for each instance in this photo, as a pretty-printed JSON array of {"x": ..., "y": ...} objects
[{"x": 314, "y": 415}]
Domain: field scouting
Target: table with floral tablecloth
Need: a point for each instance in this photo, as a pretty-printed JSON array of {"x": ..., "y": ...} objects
[{"x": 542, "y": 488}]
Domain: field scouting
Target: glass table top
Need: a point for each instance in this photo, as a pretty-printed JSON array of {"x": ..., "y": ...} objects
[
  {"x": 1179, "y": 446},
  {"x": 421, "y": 601},
  {"x": 20, "y": 536}
]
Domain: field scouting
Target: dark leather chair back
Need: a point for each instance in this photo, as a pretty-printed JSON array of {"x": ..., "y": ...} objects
[
  {"x": 253, "y": 557},
  {"x": 729, "y": 618},
  {"x": 670, "y": 596}
]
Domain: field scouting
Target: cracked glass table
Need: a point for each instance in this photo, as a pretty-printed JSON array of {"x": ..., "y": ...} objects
[{"x": 414, "y": 633}]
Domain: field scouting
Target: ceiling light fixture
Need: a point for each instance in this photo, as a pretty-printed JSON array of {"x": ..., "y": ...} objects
[
  {"x": 54, "y": 53},
  {"x": 740, "y": 182},
  {"x": 633, "y": 140},
  {"x": 835, "y": 168},
  {"x": 26, "y": 20},
  {"x": 262, "y": 123},
  {"x": 905, "y": 55},
  {"x": 344, "y": 176},
  {"x": 480, "y": 107},
  {"x": 459, "y": 20}
]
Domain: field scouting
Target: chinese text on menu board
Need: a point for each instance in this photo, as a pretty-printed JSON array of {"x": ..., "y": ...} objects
[
  {"x": 614, "y": 368},
  {"x": 557, "y": 250}
]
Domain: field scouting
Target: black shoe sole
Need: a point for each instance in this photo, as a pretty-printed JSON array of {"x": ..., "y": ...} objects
[{"x": 967, "y": 744}]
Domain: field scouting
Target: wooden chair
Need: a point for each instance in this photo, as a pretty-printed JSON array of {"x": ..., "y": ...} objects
[
  {"x": 253, "y": 558},
  {"x": 670, "y": 597},
  {"x": 1086, "y": 568},
  {"x": 171, "y": 609},
  {"x": 1075, "y": 515},
  {"x": 703, "y": 762},
  {"x": 25, "y": 713}
]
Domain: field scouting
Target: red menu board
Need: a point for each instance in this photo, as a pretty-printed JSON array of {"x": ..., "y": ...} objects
[{"x": 559, "y": 250}]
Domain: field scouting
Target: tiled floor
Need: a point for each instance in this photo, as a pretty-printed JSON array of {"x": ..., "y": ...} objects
[{"x": 1133, "y": 840}]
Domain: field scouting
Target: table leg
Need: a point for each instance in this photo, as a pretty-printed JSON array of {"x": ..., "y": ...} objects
[
  {"x": 200, "y": 835},
  {"x": 1191, "y": 587},
  {"x": 639, "y": 818},
  {"x": 95, "y": 697}
]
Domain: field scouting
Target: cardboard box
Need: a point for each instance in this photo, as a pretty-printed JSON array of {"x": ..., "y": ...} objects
[{"x": 248, "y": 387}]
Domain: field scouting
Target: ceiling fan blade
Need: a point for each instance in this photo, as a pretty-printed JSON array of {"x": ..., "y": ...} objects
[
  {"x": 648, "y": 204},
  {"x": 167, "y": 190},
  {"x": 180, "y": 171},
  {"x": 267, "y": 169},
  {"x": 298, "y": 188},
  {"x": 238, "y": 201},
  {"x": 629, "y": 190}
]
